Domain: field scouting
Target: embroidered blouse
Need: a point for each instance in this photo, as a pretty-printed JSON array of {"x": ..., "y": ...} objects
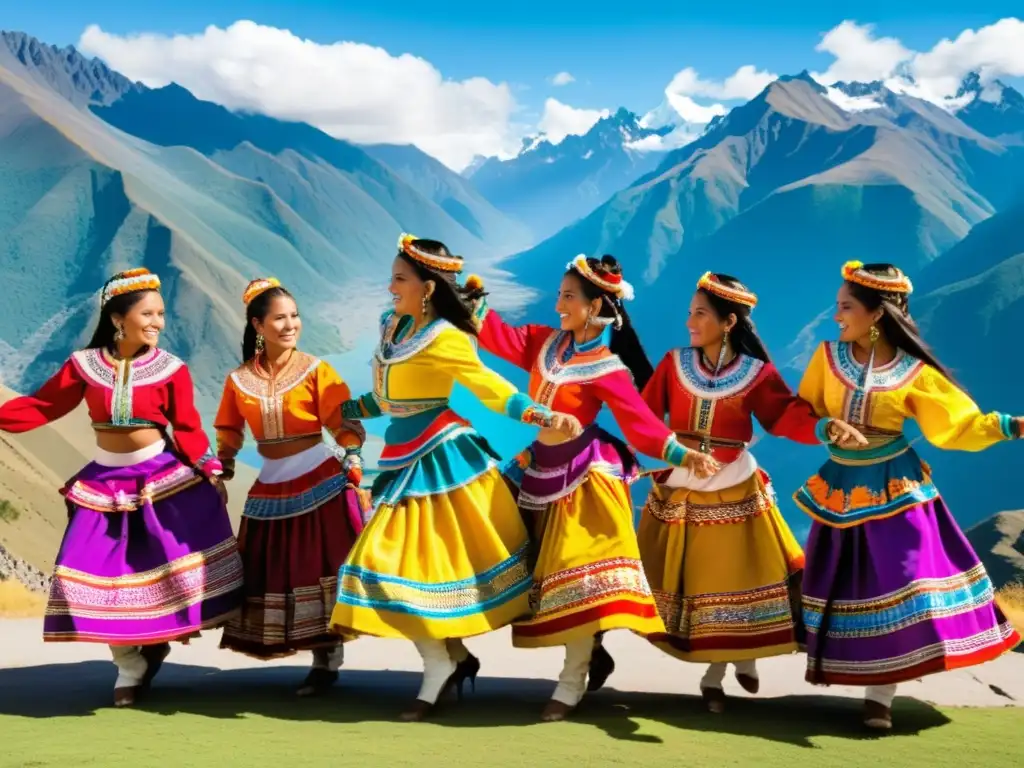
[
  {"x": 719, "y": 409},
  {"x": 578, "y": 379},
  {"x": 153, "y": 390},
  {"x": 296, "y": 403},
  {"x": 416, "y": 373},
  {"x": 905, "y": 388}
]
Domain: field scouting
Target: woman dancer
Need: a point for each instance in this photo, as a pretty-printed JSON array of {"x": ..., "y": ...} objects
[
  {"x": 148, "y": 556},
  {"x": 444, "y": 555},
  {"x": 892, "y": 589},
  {"x": 723, "y": 565},
  {"x": 303, "y": 513},
  {"x": 587, "y": 575}
]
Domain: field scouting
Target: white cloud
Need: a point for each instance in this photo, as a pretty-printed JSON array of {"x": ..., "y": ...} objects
[
  {"x": 350, "y": 90},
  {"x": 859, "y": 56},
  {"x": 563, "y": 78},
  {"x": 996, "y": 50},
  {"x": 560, "y": 120},
  {"x": 852, "y": 103},
  {"x": 745, "y": 83}
]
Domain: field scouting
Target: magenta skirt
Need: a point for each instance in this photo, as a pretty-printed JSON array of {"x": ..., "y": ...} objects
[{"x": 148, "y": 556}]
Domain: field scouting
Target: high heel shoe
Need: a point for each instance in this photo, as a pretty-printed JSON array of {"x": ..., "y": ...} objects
[
  {"x": 466, "y": 669},
  {"x": 601, "y": 666}
]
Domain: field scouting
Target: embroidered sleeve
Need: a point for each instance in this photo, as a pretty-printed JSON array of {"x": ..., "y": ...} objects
[
  {"x": 656, "y": 391},
  {"x": 950, "y": 419},
  {"x": 332, "y": 394},
  {"x": 230, "y": 426},
  {"x": 61, "y": 393},
  {"x": 780, "y": 412},
  {"x": 186, "y": 426},
  {"x": 518, "y": 345},
  {"x": 362, "y": 407},
  {"x": 642, "y": 428}
]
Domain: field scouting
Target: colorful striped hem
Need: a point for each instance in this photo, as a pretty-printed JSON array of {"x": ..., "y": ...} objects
[{"x": 443, "y": 600}]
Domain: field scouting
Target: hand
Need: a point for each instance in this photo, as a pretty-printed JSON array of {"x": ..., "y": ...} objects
[
  {"x": 353, "y": 468},
  {"x": 222, "y": 490},
  {"x": 566, "y": 424},
  {"x": 843, "y": 435},
  {"x": 701, "y": 464}
]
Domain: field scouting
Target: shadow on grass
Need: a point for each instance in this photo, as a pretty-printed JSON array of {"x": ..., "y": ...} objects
[{"x": 79, "y": 690}]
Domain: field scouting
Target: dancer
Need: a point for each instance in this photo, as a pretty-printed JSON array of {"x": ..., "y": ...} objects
[
  {"x": 303, "y": 513},
  {"x": 724, "y": 567},
  {"x": 148, "y": 556},
  {"x": 587, "y": 573},
  {"x": 892, "y": 589},
  {"x": 444, "y": 554}
]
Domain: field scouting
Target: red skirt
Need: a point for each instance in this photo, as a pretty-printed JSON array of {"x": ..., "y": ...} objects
[{"x": 291, "y": 562}]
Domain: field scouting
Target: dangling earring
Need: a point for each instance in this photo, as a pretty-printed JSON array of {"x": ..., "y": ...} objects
[
  {"x": 423, "y": 304},
  {"x": 119, "y": 336},
  {"x": 259, "y": 343},
  {"x": 873, "y": 334},
  {"x": 721, "y": 352},
  {"x": 586, "y": 325}
]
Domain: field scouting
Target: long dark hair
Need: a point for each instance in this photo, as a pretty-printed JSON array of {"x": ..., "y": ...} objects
[
  {"x": 625, "y": 343},
  {"x": 743, "y": 337},
  {"x": 896, "y": 324},
  {"x": 103, "y": 336},
  {"x": 450, "y": 300},
  {"x": 257, "y": 309}
]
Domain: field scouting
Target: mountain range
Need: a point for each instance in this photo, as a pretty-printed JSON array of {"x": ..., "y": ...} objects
[{"x": 99, "y": 173}]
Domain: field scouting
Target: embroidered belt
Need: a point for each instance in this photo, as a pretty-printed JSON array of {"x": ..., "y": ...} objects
[
  {"x": 669, "y": 511},
  {"x": 882, "y": 447},
  {"x": 707, "y": 442},
  {"x": 410, "y": 407}
]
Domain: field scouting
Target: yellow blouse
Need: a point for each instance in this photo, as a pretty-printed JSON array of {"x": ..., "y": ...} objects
[
  {"x": 418, "y": 372},
  {"x": 905, "y": 388},
  {"x": 303, "y": 397}
]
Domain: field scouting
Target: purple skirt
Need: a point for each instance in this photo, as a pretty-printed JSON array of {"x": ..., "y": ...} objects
[
  {"x": 894, "y": 591},
  {"x": 148, "y": 556}
]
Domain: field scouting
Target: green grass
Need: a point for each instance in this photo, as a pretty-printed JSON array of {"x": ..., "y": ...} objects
[
  {"x": 8, "y": 512},
  {"x": 55, "y": 716}
]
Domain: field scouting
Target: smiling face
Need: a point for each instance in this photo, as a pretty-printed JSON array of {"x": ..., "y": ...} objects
[
  {"x": 281, "y": 326},
  {"x": 142, "y": 323},
  {"x": 704, "y": 324},
  {"x": 854, "y": 319},
  {"x": 407, "y": 289},
  {"x": 572, "y": 306}
]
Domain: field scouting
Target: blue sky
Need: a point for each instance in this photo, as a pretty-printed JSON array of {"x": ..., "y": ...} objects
[{"x": 619, "y": 53}]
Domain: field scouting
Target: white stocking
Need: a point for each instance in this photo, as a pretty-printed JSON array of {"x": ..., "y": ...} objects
[
  {"x": 437, "y": 668},
  {"x": 457, "y": 649},
  {"x": 748, "y": 668},
  {"x": 714, "y": 676},
  {"x": 330, "y": 659},
  {"x": 572, "y": 683},
  {"x": 881, "y": 694},
  {"x": 131, "y": 665}
]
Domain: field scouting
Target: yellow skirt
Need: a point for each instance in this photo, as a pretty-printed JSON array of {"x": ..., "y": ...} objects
[
  {"x": 588, "y": 577},
  {"x": 451, "y": 564},
  {"x": 725, "y": 570}
]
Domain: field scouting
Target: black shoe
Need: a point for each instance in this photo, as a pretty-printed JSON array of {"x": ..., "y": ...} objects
[
  {"x": 317, "y": 682},
  {"x": 601, "y": 666},
  {"x": 466, "y": 669},
  {"x": 154, "y": 656}
]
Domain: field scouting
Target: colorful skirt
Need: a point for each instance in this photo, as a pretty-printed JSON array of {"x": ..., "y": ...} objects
[
  {"x": 724, "y": 567},
  {"x": 892, "y": 589},
  {"x": 148, "y": 555},
  {"x": 587, "y": 575},
  {"x": 299, "y": 523},
  {"x": 444, "y": 553}
]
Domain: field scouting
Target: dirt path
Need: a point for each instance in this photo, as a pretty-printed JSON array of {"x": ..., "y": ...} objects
[{"x": 640, "y": 668}]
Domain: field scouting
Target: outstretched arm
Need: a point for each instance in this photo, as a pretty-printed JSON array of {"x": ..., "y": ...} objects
[
  {"x": 453, "y": 351},
  {"x": 61, "y": 393},
  {"x": 949, "y": 418},
  {"x": 518, "y": 345},
  {"x": 782, "y": 413},
  {"x": 230, "y": 427},
  {"x": 642, "y": 428},
  {"x": 187, "y": 427}
]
